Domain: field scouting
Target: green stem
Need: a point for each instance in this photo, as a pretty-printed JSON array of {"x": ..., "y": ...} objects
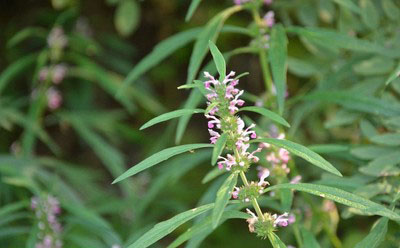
[{"x": 254, "y": 201}]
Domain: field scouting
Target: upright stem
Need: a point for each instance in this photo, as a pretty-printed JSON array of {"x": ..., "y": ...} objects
[{"x": 253, "y": 200}]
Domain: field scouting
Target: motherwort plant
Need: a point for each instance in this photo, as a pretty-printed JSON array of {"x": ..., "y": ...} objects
[{"x": 237, "y": 155}]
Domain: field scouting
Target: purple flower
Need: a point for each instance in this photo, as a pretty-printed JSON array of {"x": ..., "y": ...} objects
[{"x": 57, "y": 38}]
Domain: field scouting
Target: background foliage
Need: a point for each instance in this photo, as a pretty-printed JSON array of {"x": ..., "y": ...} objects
[{"x": 125, "y": 60}]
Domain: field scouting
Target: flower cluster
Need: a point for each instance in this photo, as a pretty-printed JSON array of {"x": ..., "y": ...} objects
[
  {"x": 55, "y": 74},
  {"x": 224, "y": 100},
  {"x": 266, "y": 225},
  {"x": 46, "y": 210},
  {"x": 57, "y": 38}
]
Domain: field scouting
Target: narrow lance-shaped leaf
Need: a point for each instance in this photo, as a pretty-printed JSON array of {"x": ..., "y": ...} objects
[
  {"x": 192, "y": 8},
  {"x": 354, "y": 102},
  {"x": 164, "y": 228},
  {"x": 349, "y": 5},
  {"x": 340, "y": 196},
  {"x": 376, "y": 236},
  {"x": 210, "y": 32},
  {"x": 223, "y": 196},
  {"x": 205, "y": 226},
  {"x": 159, "y": 53},
  {"x": 219, "y": 147},
  {"x": 309, "y": 239},
  {"x": 267, "y": 113},
  {"x": 276, "y": 241},
  {"x": 395, "y": 74},
  {"x": 170, "y": 115},
  {"x": 159, "y": 157},
  {"x": 278, "y": 57},
  {"x": 302, "y": 152},
  {"x": 331, "y": 38},
  {"x": 218, "y": 60}
]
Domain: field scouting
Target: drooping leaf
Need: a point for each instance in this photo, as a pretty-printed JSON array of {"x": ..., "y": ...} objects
[
  {"x": 277, "y": 58},
  {"x": 302, "y": 152},
  {"x": 340, "y": 196},
  {"x": 219, "y": 147},
  {"x": 159, "y": 157},
  {"x": 159, "y": 53},
  {"x": 223, "y": 196},
  {"x": 376, "y": 235},
  {"x": 170, "y": 115},
  {"x": 267, "y": 113},
  {"x": 164, "y": 228}
]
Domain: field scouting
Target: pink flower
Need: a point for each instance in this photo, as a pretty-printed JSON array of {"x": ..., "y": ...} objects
[
  {"x": 235, "y": 193},
  {"x": 269, "y": 18},
  {"x": 54, "y": 98},
  {"x": 281, "y": 220},
  {"x": 263, "y": 174}
]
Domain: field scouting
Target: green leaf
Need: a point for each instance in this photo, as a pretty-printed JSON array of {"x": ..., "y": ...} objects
[
  {"x": 25, "y": 34},
  {"x": 349, "y": 5},
  {"x": 16, "y": 69},
  {"x": 164, "y": 228},
  {"x": 330, "y": 38},
  {"x": 309, "y": 240},
  {"x": 205, "y": 226},
  {"x": 371, "y": 152},
  {"x": 267, "y": 113},
  {"x": 340, "y": 196},
  {"x": 127, "y": 17},
  {"x": 356, "y": 102},
  {"x": 369, "y": 15},
  {"x": 170, "y": 115},
  {"x": 377, "y": 65},
  {"x": 391, "y": 10},
  {"x": 388, "y": 139},
  {"x": 212, "y": 174},
  {"x": 159, "y": 53},
  {"x": 277, "y": 57},
  {"x": 395, "y": 74},
  {"x": 194, "y": 99},
  {"x": 376, "y": 235},
  {"x": 209, "y": 32},
  {"x": 223, "y": 196},
  {"x": 192, "y": 8},
  {"x": 302, "y": 152},
  {"x": 329, "y": 148},
  {"x": 218, "y": 60},
  {"x": 159, "y": 157},
  {"x": 219, "y": 147},
  {"x": 276, "y": 241}
]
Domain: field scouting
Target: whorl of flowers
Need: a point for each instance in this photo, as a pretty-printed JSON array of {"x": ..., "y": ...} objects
[
  {"x": 46, "y": 211},
  {"x": 223, "y": 98},
  {"x": 223, "y": 102}
]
